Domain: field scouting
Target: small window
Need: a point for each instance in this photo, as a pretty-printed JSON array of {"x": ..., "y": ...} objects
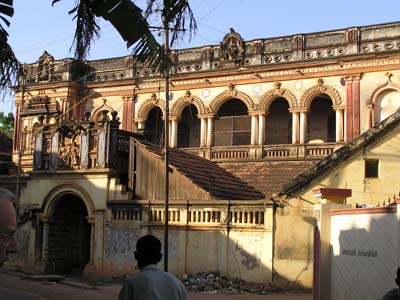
[{"x": 371, "y": 168}]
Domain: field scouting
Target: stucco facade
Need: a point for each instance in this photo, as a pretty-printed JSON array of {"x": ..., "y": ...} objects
[{"x": 243, "y": 125}]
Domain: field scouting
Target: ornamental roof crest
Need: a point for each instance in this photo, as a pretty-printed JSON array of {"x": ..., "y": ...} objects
[{"x": 232, "y": 47}]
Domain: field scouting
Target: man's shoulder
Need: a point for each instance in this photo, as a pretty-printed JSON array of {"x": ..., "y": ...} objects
[{"x": 393, "y": 294}]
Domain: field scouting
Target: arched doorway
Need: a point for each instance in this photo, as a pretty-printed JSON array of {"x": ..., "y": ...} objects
[
  {"x": 189, "y": 128},
  {"x": 68, "y": 249},
  {"x": 279, "y": 123},
  {"x": 321, "y": 120},
  {"x": 154, "y": 127},
  {"x": 232, "y": 124}
]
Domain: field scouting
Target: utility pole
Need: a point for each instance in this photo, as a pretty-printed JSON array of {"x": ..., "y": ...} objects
[{"x": 166, "y": 147}]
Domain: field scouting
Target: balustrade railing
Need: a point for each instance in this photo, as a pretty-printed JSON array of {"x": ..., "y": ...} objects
[{"x": 267, "y": 152}]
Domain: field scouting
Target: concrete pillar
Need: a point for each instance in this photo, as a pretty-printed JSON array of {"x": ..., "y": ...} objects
[
  {"x": 210, "y": 131},
  {"x": 303, "y": 127},
  {"x": 174, "y": 133},
  {"x": 203, "y": 132},
  {"x": 295, "y": 127},
  {"x": 339, "y": 125},
  {"x": 141, "y": 125},
  {"x": 98, "y": 240},
  {"x": 254, "y": 129},
  {"x": 45, "y": 238},
  {"x": 370, "y": 116},
  {"x": 261, "y": 129}
]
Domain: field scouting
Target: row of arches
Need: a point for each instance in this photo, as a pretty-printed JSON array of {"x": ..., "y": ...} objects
[
  {"x": 234, "y": 125},
  {"x": 233, "y": 119},
  {"x": 232, "y": 93}
]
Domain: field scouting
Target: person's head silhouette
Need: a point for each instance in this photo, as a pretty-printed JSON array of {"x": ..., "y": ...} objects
[
  {"x": 148, "y": 251},
  {"x": 398, "y": 277}
]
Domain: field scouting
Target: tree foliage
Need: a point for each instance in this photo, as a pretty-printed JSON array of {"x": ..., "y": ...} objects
[
  {"x": 7, "y": 124},
  {"x": 133, "y": 26},
  {"x": 9, "y": 64}
]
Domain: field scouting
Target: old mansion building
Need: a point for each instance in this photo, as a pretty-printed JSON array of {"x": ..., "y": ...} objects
[{"x": 255, "y": 126}]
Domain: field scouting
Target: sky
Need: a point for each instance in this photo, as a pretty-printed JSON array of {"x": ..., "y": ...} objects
[{"x": 38, "y": 26}]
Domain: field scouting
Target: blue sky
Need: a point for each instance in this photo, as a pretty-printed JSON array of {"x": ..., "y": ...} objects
[{"x": 37, "y": 26}]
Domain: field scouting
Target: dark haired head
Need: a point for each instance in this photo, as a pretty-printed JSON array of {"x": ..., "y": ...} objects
[
  {"x": 148, "y": 251},
  {"x": 398, "y": 277}
]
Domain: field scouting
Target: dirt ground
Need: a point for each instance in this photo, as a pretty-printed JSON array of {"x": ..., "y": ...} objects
[{"x": 13, "y": 287}]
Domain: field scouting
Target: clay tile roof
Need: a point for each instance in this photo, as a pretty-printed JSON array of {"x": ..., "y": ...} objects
[
  {"x": 265, "y": 176},
  {"x": 216, "y": 181}
]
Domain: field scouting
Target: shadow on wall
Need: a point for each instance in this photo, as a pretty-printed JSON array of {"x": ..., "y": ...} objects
[
  {"x": 241, "y": 248},
  {"x": 364, "y": 254}
]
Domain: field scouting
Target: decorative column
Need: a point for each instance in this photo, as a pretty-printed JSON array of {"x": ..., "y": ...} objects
[
  {"x": 127, "y": 113},
  {"x": 339, "y": 124},
  {"x": 174, "y": 132},
  {"x": 261, "y": 128},
  {"x": 254, "y": 129},
  {"x": 203, "y": 132},
  {"x": 303, "y": 126},
  {"x": 352, "y": 106},
  {"x": 295, "y": 126},
  {"x": 210, "y": 131}
]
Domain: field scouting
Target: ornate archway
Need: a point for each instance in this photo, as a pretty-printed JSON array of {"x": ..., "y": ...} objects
[
  {"x": 320, "y": 89},
  {"x": 229, "y": 94},
  {"x": 385, "y": 100},
  {"x": 67, "y": 238},
  {"x": 273, "y": 94},
  {"x": 147, "y": 105},
  {"x": 182, "y": 102}
]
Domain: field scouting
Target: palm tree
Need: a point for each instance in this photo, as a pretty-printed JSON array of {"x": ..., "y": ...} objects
[
  {"x": 133, "y": 26},
  {"x": 9, "y": 64}
]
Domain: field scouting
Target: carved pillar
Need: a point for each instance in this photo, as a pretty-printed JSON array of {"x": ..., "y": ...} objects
[
  {"x": 174, "y": 133},
  {"x": 303, "y": 126},
  {"x": 295, "y": 126},
  {"x": 339, "y": 124},
  {"x": 261, "y": 128},
  {"x": 203, "y": 132},
  {"x": 210, "y": 131},
  {"x": 254, "y": 129}
]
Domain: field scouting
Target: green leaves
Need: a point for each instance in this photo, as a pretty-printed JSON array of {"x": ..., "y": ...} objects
[
  {"x": 87, "y": 27},
  {"x": 132, "y": 25},
  {"x": 7, "y": 124},
  {"x": 9, "y": 64}
]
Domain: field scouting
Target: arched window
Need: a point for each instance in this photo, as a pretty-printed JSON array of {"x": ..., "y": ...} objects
[
  {"x": 232, "y": 124},
  {"x": 154, "y": 127},
  {"x": 321, "y": 120},
  {"x": 387, "y": 104},
  {"x": 189, "y": 128},
  {"x": 279, "y": 123}
]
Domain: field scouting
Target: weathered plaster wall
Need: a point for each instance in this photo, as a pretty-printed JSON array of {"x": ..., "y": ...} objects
[
  {"x": 293, "y": 247},
  {"x": 351, "y": 175}
]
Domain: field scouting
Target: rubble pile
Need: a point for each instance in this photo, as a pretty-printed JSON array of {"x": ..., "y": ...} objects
[{"x": 213, "y": 282}]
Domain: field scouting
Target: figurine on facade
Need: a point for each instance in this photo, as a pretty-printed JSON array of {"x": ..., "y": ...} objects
[
  {"x": 64, "y": 159},
  {"x": 74, "y": 153}
]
